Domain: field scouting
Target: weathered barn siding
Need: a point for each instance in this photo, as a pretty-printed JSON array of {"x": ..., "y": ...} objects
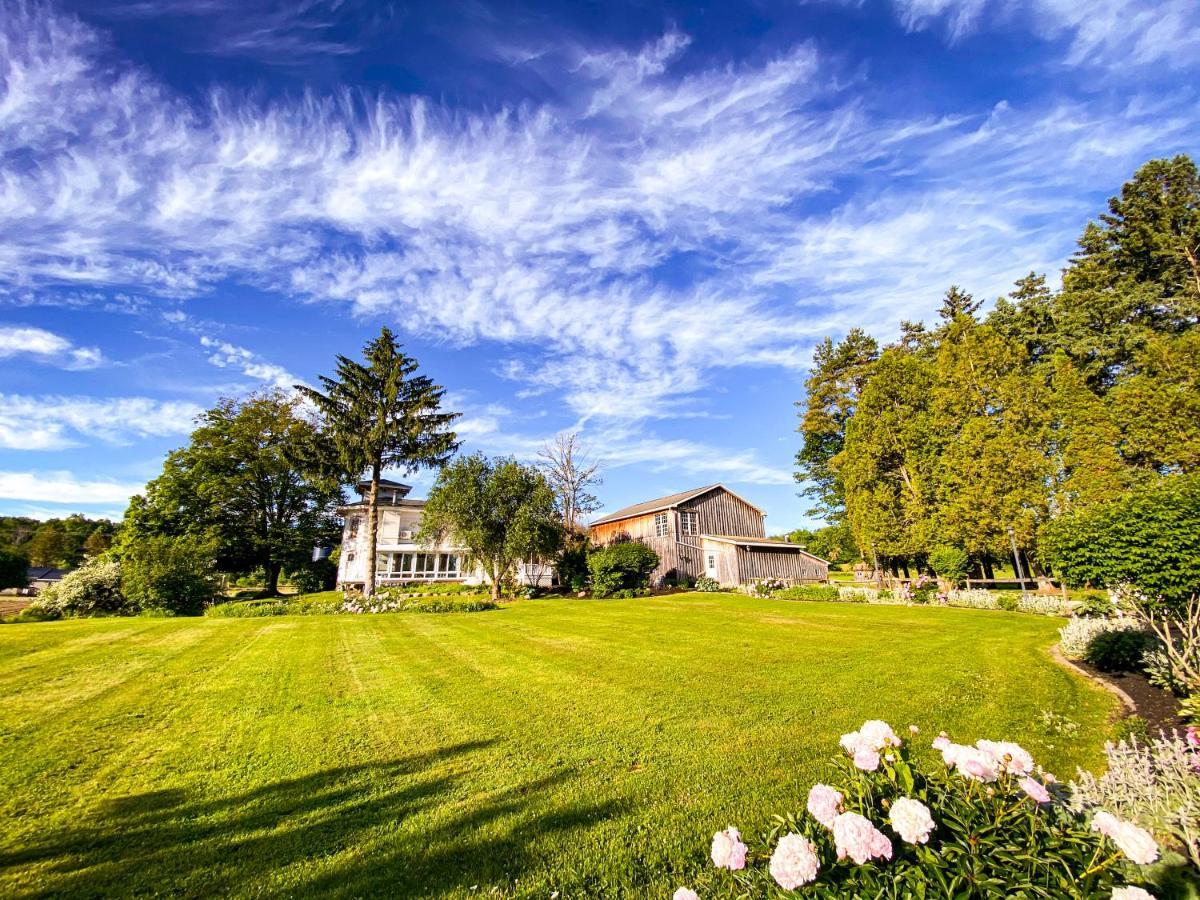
[
  {"x": 641, "y": 529},
  {"x": 724, "y": 513},
  {"x": 785, "y": 564}
]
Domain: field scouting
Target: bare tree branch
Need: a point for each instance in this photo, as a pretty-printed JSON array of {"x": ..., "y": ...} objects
[{"x": 572, "y": 475}]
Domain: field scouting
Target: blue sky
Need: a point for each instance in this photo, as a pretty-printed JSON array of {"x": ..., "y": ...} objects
[{"x": 629, "y": 219}]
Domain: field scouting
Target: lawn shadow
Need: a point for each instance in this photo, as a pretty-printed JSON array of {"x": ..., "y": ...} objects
[{"x": 339, "y": 831}]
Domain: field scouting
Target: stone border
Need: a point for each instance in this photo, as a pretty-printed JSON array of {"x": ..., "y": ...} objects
[{"x": 1057, "y": 655}]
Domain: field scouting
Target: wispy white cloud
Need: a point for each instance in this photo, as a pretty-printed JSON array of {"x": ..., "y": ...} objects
[
  {"x": 667, "y": 223},
  {"x": 56, "y": 422},
  {"x": 63, "y": 487},
  {"x": 1111, "y": 34},
  {"x": 46, "y": 347},
  {"x": 225, "y": 355}
]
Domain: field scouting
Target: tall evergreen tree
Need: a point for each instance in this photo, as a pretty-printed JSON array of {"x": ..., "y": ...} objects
[
  {"x": 835, "y": 381},
  {"x": 376, "y": 415}
]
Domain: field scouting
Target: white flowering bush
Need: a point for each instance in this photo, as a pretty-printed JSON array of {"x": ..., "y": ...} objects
[
  {"x": 982, "y": 821},
  {"x": 764, "y": 587},
  {"x": 1077, "y": 635},
  {"x": 1044, "y": 606},
  {"x": 972, "y": 598},
  {"x": 858, "y": 595},
  {"x": 94, "y": 589},
  {"x": 1155, "y": 785}
]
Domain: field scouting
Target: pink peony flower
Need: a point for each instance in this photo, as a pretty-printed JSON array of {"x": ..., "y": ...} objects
[
  {"x": 855, "y": 837},
  {"x": 794, "y": 862},
  {"x": 1012, "y": 758},
  {"x": 941, "y": 742},
  {"x": 911, "y": 820},
  {"x": 728, "y": 851},
  {"x": 866, "y": 759},
  {"x": 1193, "y": 739},
  {"x": 864, "y": 745},
  {"x": 1034, "y": 789},
  {"x": 1132, "y": 840},
  {"x": 972, "y": 762},
  {"x": 685, "y": 894},
  {"x": 1131, "y": 893},
  {"x": 824, "y": 803}
]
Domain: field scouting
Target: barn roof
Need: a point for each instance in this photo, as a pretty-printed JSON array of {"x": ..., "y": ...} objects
[
  {"x": 668, "y": 502},
  {"x": 759, "y": 542}
]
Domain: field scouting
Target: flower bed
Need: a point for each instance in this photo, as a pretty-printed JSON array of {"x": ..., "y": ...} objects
[{"x": 982, "y": 821}]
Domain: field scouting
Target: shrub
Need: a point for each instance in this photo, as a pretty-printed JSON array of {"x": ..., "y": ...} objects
[
  {"x": 1162, "y": 672},
  {"x": 951, "y": 563},
  {"x": 1008, "y": 603},
  {"x": 1149, "y": 537},
  {"x": 981, "y": 822},
  {"x": 1044, "y": 606},
  {"x": 1077, "y": 634},
  {"x": 1118, "y": 651},
  {"x": 856, "y": 595},
  {"x": 168, "y": 573},
  {"x": 450, "y": 604},
  {"x": 572, "y": 564},
  {"x": 620, "y": 566},
  {"x": 972, "y": 598},
  {"x": 1154, "y": 784},
  {"x": 764, "y": 587},
  {"x": 1132, "y": 728},
  {"x": 94, "y": 589},
  {"x": 707, "y": 585},
  {"x": 812, "y": 592}
]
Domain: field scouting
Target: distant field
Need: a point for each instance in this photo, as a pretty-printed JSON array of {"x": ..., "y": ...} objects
[{"x": 589, "y": 747}]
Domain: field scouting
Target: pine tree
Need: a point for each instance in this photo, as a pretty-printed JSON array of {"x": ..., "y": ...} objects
[{"x": 376, "y": 415}]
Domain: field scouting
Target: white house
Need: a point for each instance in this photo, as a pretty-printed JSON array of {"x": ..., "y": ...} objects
[{"x": 400, "y": 559}]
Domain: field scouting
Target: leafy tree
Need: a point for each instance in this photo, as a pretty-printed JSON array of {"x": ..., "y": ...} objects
[
  {"x": 1027, "y": 317},
  {"x": 92, "y": 589},
  {"x": 1157, "y": 408},
  {"x": 377, "y": 415},
  {"x": 834, "y": 543},
  {"x": 239, "y": 490},
  {"x": 172, "y": 574},
  {"x": 97, "y": 542},
  {"x": 1149, "y": 537},
  {"x": 621, "y": 566},
  {"x": 572, "y": 476},
  {"x": 951, "y": 563},
  {"x": 836, "y": 379},
  {"x": 14, "y": 569},
  {"x": 500, "y": 510},
  {"x": 888, "y": 460},
  {"x": 47, "y": 545},
  {"x": 1088, "y": 440}
]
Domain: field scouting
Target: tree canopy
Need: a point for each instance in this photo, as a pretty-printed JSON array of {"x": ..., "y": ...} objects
[
  {"x": 982, "y": 431},
  {"x": 502, "y": 511}
]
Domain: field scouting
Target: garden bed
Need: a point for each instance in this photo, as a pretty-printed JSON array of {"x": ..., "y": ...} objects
[{"x": 1159, "y": 708}]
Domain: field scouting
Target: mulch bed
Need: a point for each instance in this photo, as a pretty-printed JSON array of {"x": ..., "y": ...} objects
[{"x": 1159, "y": 708}]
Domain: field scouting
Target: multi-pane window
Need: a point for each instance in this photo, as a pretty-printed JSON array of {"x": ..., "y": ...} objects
[
  {"x": 354, "y": 522},
  {"x": 418, "y": 566},
  {"x": 661, "y": 525},
  {"x": 689, "y": 522}
]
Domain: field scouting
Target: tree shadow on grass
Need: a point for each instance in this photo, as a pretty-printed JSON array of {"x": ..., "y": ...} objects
[{"x": 338, "y": 832}]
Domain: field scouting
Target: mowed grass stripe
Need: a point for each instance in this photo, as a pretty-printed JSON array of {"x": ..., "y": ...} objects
[{"x": 583, "y": 746}]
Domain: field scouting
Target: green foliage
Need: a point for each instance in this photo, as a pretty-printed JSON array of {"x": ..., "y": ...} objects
[
  {"x": 64, "y": 543},
  {"x": 950, "y": 563},
  {"x": 94, "y": 589},
  {"x": 375, "y": 415},
  {"x": 1131, "y": 728},
  {"x": 1008, "y": 602},
  {"x": 14, "y": 568},
  {"x": 1118, "y": 651},
  {"x": 450, "y": 605},
  {"x": 572, "y": 565},
  {"x": 1149, "y": 537},
  {"x": 814, "y": 592},
  {"x": 237, "y": 489},
  {"x": 167, "y": 573},
  {"x": 834, "y": 543},
  {"x": 704, "y": 584},
  {"x": 500, "y": 510},
  {"x": 622, "y": 566},
  {"x": 1053, "y": 403}
]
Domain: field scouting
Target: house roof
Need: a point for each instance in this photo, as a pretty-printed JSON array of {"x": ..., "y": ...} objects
[
  {"x": 365, "y": 485},
  {"x": 668, "y": 502},
  {"x": 759, "y": 542},
  {"x": 44, "y": 573}
]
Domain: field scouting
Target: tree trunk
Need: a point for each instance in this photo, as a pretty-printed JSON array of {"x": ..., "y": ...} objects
[
  {"x": 495, "y": 583},
  {"x": 904, "y": 568},
  {"x": 372, "y": 531},
  {"x": 271, "y": 571},
  {"x": 988, "y": 571}
]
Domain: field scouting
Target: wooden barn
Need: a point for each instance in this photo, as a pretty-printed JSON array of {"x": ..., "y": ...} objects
[{"x": 709, "y": 531}]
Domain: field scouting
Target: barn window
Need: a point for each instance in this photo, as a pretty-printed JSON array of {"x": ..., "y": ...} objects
[
  {"x": 689, "y": 522},
  {"x": 661, "y": 528}
]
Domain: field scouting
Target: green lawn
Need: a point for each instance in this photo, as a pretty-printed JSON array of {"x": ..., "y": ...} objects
[{"x": 590, "y": 747}]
